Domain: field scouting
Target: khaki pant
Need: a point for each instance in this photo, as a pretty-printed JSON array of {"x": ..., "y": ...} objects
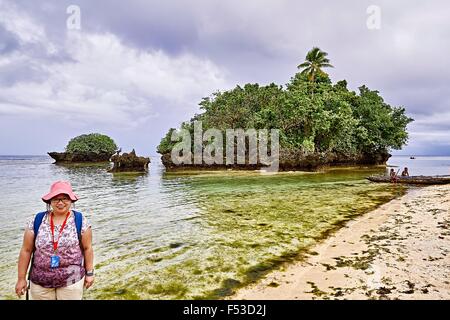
[{"x": 72, "y": 292}]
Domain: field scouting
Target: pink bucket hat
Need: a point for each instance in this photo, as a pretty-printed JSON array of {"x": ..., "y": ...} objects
[{"x": 59, "y": 187}]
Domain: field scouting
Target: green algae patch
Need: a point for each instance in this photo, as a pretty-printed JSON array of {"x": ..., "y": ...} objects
[
  {"x": 117, "y": 293},
  {"x": 176, "y": 289}
]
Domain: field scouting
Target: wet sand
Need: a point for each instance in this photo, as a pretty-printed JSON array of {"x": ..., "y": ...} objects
[{"x": 399, "y": 251}]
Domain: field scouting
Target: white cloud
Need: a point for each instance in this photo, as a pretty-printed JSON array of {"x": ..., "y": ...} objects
[
  {"x": 21, "y": 24},
  {"x": 104, "y": 81},
  {"x": 133, "y": 61}
]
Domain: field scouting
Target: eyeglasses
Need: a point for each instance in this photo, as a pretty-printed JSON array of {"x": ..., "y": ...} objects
[{"x": 64, "y": 200}]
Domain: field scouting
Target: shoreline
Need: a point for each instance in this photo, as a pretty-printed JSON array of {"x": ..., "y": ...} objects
[
  {"x": 252, "y": 168},
  {"x": 401, "y": 250}
]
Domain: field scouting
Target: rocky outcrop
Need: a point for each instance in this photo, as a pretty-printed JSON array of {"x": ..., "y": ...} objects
[
  {"x": 129, "y": 162},
  {"x": 295, "y": 160},
  {"x": 80, "y": 157},
  {"x": 291, "y": 160}
]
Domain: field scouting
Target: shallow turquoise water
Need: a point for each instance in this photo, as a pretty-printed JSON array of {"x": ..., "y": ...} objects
[{"x": 184, "y": 235}]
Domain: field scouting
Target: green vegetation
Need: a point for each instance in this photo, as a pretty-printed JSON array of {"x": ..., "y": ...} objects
[
  {"x": 315, "y": 60},
  {"x": 91, "y": 143},
  {"x": 166, "y": 145},
  {"x": 313, "y": 114}
]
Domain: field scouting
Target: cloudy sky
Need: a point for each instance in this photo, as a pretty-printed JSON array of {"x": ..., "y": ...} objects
[{"x": 136, "y": 68}]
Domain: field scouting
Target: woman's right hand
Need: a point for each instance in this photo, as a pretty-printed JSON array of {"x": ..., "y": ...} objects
[{"x": 21, "y": 287}]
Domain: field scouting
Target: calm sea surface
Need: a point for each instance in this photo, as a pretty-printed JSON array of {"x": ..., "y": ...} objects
[{"x": 190, "y": 235}]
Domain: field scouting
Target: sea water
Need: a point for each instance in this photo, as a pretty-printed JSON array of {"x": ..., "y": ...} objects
[{"x": 189, "y": 235}]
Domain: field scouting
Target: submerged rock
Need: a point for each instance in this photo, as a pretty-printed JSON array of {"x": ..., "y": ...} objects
[{"x": 129, "y": 162}]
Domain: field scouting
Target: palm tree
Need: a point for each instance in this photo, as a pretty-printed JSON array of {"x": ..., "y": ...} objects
[{"x": 315, "y": 60}]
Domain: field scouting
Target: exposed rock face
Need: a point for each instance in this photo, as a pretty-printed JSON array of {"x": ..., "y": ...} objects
[
  {"x": 129, "y": 162},
  {"x": 80, "y": 157},
  {"x": 291, "y": 160}
]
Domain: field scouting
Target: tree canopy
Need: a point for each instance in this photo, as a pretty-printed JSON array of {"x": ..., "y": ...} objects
[
  {"x": 316, "y": 59},
  {"x": 91, "y": 143},
  {"x": 332, "y": 119}
]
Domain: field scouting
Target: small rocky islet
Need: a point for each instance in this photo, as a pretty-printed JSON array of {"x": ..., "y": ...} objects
[{"x": 98, "y": 148}]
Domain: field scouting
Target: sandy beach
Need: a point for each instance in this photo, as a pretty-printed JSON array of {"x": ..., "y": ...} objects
[{"x": 401, "y": 250}]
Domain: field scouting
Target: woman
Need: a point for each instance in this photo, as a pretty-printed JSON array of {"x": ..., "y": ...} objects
[{"x": 63, "y": 258}]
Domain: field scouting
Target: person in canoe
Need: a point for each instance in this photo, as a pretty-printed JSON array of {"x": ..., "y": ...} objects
[
  {"x": 405, "y": 172},
  {"x": 393, "y": 175}
]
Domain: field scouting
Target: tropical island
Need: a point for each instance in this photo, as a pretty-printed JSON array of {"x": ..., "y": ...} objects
[
  {"x": 93, "y": 147},
  {"x": 320, "y": 123}
]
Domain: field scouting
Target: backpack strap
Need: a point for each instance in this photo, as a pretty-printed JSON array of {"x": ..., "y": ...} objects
[
  {"x": 78, "y": 216},
  {"x": 37, "y": 223},
  {"x": 78, "y": 223},
  {"x": 40, "y": 216}
]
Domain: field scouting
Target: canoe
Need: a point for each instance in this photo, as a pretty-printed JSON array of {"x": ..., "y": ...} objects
[{"x": 413, "y": 179}]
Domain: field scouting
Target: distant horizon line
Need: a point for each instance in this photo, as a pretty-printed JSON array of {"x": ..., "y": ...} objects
[
  {"x": 402, "y": 155},
  {"x": 39, "y": 155}
]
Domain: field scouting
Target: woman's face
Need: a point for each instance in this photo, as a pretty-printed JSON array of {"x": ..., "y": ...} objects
[{"x": 61, "y": 203}]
